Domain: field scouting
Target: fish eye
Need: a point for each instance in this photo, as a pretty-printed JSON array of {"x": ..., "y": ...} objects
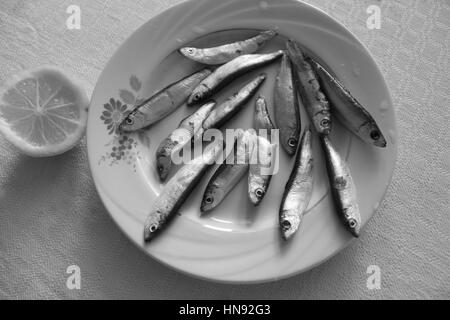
[
  {"x": 190, "y": 50},
  {"x": 292, "y": 142},
  {"x": 375, "y": 135},
  {"x": 259, "y": 193},
  {"x": 286, "y": 225},
  {"x": 352, "y": 223},
  {"x": 129, "y": 121},
  {"x": 152, "y": 228},
  {"x": 325, "y": 123},
  {"x": 209, "y": 200},
  {"x": 197, "y": 96}
]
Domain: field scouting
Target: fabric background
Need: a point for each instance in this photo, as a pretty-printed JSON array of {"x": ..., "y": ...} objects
[{"x": 51, "y": 216}]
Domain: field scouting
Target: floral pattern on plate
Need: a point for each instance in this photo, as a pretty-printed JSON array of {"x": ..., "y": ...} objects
[{"x": 122, "y": 148}]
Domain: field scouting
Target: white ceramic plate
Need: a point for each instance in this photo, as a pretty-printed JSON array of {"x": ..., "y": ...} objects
[{"x": 236, "y": 242}]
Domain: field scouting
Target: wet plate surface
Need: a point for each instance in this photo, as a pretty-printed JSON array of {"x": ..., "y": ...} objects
[{"x": 236, "y": 242}]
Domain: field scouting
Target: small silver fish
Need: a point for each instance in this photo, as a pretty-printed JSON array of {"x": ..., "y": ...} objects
[
  {"x": 260, "y": 161},
  {"x": 298, "y": 191},
  {"x": 228, "y": 72},
  {"x": 187, "y": 128},
  {"x": 262, "y": 118},
  {"x": 343, "y": 188},
  {"x": 225, "y": 111},
  {"x": 177, "y": 190},
  {"x": 163, "y": 103},
  {"x": 287, "y": 111},
  {"x": 313, "y": 98},
  {"x": 348, "y": 110},
  {"x": 227, "y": 52},
  {"x": 228, "y": 175}
]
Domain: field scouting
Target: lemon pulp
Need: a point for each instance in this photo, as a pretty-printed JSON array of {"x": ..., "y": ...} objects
[{"x": 43, "y": 112}]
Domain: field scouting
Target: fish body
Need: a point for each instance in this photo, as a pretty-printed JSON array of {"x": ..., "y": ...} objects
[
  {"x": 260, "y": 163},
  {"x": 343, "y": 188},
  {"x": 163, "y": 103},
  {"x": 314, "y": 100},
  {"x": 228, "y": 72},
  {"x": 262, "y": 118},
  {"x": 176, "y": 191},
  {"x": 228, "y": 175},
  {"x": 187, "y": 128},
  {"x": 287, "y": 111},
  {"x": 225, "y": 111},
  {"x": 298, "y": 190},
  {"x": 227, "y": 52},
  {"x": 348, "y": 110}
]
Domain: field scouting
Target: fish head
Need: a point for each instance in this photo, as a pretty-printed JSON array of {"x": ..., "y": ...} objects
[
  {"x": 188, "y": 52},
  {"x": 372, "y": 134},
  {"x": 200, "y": 93},
  {"x": 289, "y": 223},
  {"x": 135, "y": 120},
  {"x": 322, "y": 122},
  {"x": 290, "y": 144},
  {"x": 152, "y": 225},
  {"x": 163, "y": 164},
  {"x": 352, "y": 220},
  {"x": 211, "y": 199},
  {"x": 256, "y": 193},
  {"x": 354, "y": 226}
]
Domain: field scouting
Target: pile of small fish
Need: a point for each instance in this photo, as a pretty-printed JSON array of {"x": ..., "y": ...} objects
[{"x": 301, "y": 82}]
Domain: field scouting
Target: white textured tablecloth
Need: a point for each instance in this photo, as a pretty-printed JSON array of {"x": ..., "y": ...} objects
[{"x": 51, "y": 216}]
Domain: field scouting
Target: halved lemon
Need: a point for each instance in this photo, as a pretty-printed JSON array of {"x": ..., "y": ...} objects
[{"x": 43, "y": 112}]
